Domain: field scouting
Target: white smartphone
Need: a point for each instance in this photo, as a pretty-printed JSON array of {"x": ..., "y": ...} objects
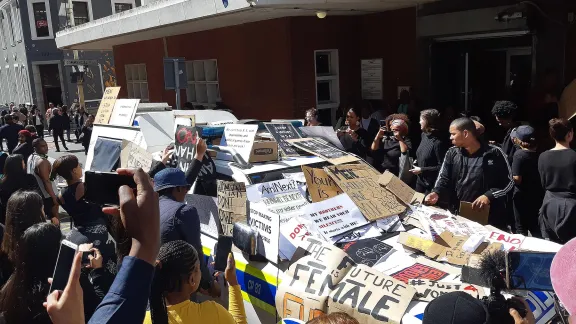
[{"x": 63, "y": 265}]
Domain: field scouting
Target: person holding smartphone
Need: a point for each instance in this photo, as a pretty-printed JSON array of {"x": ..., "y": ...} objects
[
  {"x": 391, "y": 143},
  {"x": 178, "y": 276},
  {"x": 353, "y": 137}
]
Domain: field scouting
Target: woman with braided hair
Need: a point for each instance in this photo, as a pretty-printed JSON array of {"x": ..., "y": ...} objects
[{"x": 176, "y": 277}]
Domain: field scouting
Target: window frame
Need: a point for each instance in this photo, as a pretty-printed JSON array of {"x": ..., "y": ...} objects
[
  {"x": 128, "y": 70},
  {"x": 114, "y": 2},
  {"x": 32, "y": 20},
  {"x": 192, "y": 82},
  {"x": 333, "y": 79},
  {"x": 90, "y": 11}
]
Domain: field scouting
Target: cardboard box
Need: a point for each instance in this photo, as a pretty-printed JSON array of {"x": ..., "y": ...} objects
[{"x": 264, "y": 151}]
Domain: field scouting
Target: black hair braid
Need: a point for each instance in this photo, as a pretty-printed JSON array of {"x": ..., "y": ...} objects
[{"x": 176, "y": 261}]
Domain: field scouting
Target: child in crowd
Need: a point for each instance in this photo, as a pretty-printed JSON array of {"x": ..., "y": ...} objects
[
  {"x": 528, "y": 192},
  {"x": 177, "y": 276}
]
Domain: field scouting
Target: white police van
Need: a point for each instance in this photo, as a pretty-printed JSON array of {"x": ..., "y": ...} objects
[{"x": 154, "y": 132}]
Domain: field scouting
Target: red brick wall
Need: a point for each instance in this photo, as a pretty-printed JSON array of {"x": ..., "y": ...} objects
[{"x": 266, "y": 69}]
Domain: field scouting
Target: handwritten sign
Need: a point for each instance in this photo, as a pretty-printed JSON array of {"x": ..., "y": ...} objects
[
  {"x": 270, "y": 189},
  {"x": 282, "y": 197},
  {"x": 325, "y": 151},
  {"x": 427, "y": 290},
  {"x": 281, "y": 133},
  {"x": 133, "y": 156},
  {"x": 241, "y": 138},
  {"x": 267, "y": 224},
  {"x": 367, "y": 251},
  {"x": 334, "y": 216},
  {"x": 231, "y": 204},
  {"x": 185, "y": 141},
  {"x": 455, "y": 254},
  {"x": 320, "y": 185},
  {"x": 292, "y": 235},
  {"x": 124, "y": 112},
  {"x": 509, "y": 241},
  {"x": 360, "y": 183},
  {"x": 107, "y": 105}
]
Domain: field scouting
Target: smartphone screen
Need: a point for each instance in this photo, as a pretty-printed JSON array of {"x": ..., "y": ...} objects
[
  {"x": 63, "y": 265},
  {"x": 529, "y": 270},
  {"x": 102, "y": 187},
  {"x": 223, "y": 248}
]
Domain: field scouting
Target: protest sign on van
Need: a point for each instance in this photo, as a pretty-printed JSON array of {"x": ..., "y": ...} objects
[
  {"x": 320, "y": 185},
  {"x": 231, "y": 204},
  {"x": 185, "y": 141}
]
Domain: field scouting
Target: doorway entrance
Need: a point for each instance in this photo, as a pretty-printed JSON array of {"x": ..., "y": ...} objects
[
  {"x": 469, "y": 76},
  {"x": 51, "y": 85}
]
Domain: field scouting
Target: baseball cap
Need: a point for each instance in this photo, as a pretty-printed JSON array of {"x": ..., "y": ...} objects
[
  {"x": 524, "y": 133},
  {"x": 456, "y": 307},
  {"x": 563, "y": 275},
  {"x": 170, "y": 178}
]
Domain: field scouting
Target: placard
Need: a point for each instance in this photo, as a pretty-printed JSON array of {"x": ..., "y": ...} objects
[
  {"x": 370, "y": 296},
  {"x": 106, "y": 105},
  {"x": 400, "y": 189},
  {"x": 360, "y": 183},
  {"x": 124, "y": 112},
  {"x": 292, "y": 235},
  {"x": 365, "y": 232},
  {"x": 367, "y": 251},
  {"x": 320, "y": 185},
  {"x": 134, "y": 157},
  {"x": 324, "y": 151},
  {"x": 185, "y": 140},
  {"x": 257, "y": 192},
  {"x": 427, "y": 290},
  {"x": 334, "y": 216},
  {"x": 326, "y": 133},
  {"x": 231, "y": 204},
  {"x": 282, "y": 197},
  {"x": 478, "y": 216},
  {"x": 509, "y": 241},
  {"x": 241, "y": 138},
  {"x": 267, "y": 224},
  {"x": 281, "y": 133}
]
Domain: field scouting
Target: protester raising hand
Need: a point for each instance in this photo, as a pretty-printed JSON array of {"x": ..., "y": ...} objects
[
  {"x": 200, "y": 149},
  {"x": 67, "y": 307},
  {"x": 518, "y": 319}
]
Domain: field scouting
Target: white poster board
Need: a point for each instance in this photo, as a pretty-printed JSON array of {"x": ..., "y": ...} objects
[
  {"x": 267, "y": 224},
  {"x": 371, "y": 74},
  {"x": 241, "y": 138},
  {"x": 123, "y": 112}
]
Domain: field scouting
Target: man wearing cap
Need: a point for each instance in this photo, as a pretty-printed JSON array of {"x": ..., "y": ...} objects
[
  {"x": 528, "y": 193},
  {"x": 474, "y": 172},
  {"x": 179, "y": 221}
]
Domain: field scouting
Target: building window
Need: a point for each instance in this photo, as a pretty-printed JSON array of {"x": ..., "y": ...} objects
[
  {"x": 119, "y": 7},
  {"x": 7, "y": 13},
  {"x": 137, "y": 81},
  {"x": 203, "y": 88},
  {"x": 81, "y": 12},
  {"x": 41, "y": 25},
  {"x": 327, "y": 79}
]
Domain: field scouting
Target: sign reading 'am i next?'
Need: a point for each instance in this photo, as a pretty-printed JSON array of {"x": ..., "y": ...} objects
[{"x": 281, "y": 133}]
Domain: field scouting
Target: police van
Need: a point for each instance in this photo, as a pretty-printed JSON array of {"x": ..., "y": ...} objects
[{"x": 154, "y": 131}]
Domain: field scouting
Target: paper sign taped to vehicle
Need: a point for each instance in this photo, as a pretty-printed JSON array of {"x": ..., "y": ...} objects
[
  {"x": 241, "y": 138},
  {"x": 133, "y": 156},
  {"x": 268, "y": 225},
  {"x": 231, "y": 204},
  {"x": 320, "y": 185}
]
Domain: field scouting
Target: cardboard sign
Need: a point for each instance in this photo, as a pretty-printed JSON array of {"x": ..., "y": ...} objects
[
  {"x": 231, "y": 204},
  {"x": 414, "y": 242},
  {"x": 133, "y": 156},
  {"x": 185, "y": 140},
  {"x": 281, "y": 133},
  {"x": 455, "y": 254},
  {"x": 325, "y": 151},
  {"x": 106, "y": 105},
  {"x": 268, "y": 225},
  {"x": 241, "y": 138},
  {"x": 478, "y": 216},
  {"x": 124, "y": 112},
  {"x": 509, "y": 241},
  {"x": 427, "y": 290},
  {"x": 367, "y": 251},
  {"x": 325, "y": 133},
  {"x": 370, "y": 296},
  {"x": 359, "y": 182},
  {"x": 400, "y": 189},
  {"x": 334, "y": 216},
  {"x": 320, "y": 185}
]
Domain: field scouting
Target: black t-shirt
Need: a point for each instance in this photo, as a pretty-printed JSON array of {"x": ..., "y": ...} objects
[
  {"x": 558, "y": 170},
  {"x": 389, "y": 153},
  {"x": 471, "y": 183},
  {"x": 525, "y": 165}
]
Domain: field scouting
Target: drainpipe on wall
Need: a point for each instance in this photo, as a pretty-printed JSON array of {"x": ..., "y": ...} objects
[{"x": 80, "y": 81}]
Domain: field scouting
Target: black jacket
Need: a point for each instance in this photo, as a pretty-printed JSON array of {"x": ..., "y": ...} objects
[
  {"x": 57, "y": 123},
  {"x": 497, "y": 176},
  {"x": 429, "y": 157}
]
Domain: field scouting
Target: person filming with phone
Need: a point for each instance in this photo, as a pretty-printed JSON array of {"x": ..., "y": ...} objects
[
  {"x": 390, "y": 144},
  {"x": 475, "y": 172},
  {"x": 353, "y": 137}
]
